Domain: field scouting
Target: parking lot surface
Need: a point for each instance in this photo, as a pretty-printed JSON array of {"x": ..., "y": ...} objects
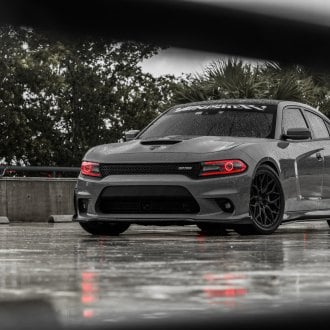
[{"x": 155, "y": 272}]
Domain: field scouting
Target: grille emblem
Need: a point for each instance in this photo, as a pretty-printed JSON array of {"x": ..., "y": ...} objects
[{"x": 185, "y": 168}]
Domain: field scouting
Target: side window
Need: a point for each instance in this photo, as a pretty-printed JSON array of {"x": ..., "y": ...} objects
[
  {"x": 293, "y": 118},
  {"x": 317, "y": 125},
  {"x": 328, "y": 126}
]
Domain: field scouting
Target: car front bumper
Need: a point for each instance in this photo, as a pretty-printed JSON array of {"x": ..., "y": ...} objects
[{"x": 205, "y": 191}]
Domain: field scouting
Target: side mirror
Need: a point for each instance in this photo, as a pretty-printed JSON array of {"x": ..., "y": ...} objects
[
  {"x": 131, "y": 135},
  {"x": 302, "y": 133}
]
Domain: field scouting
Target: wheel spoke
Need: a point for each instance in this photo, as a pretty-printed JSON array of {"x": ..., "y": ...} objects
[
  {"x": 273, "y": 208},
  {"x": 266, "y": 187},
  {"x": 258, "y": 209},
  {"x": 274, "y": 201},
  {"x": 261, "y": 180},
  {"x": 264, "y": 217},
  {"x": 255, "y": 189},
  {"x": 269, "y": 214},
  {"x": 273, "y": 197}
]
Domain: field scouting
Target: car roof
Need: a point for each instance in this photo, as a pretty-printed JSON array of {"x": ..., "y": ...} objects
[{"x": 245, "y": 101}]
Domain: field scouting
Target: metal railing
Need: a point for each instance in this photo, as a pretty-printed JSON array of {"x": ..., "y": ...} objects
[{"x": 51, "y": 171}]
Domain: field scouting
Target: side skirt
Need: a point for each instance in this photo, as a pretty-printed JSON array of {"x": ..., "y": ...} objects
[{"x": 306, "y": 215}]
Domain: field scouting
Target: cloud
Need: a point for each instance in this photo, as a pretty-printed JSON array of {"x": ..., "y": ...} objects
[{"x": 177, "y": 61}]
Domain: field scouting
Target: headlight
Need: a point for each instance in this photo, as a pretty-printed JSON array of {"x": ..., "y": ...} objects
[
  {"x": 222, "y": 167},
  {"x": 90, "y": 169}
]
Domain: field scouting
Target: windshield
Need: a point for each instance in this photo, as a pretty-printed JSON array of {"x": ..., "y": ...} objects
[{"x": 245, "y": 120}]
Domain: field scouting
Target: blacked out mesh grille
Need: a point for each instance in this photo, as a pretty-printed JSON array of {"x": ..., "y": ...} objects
[
  {"x": 189, "y": 169},
  {"x": 146, "y": 200}
]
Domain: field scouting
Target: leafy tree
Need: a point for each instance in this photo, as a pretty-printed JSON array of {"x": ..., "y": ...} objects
[{"x": 60, "y": 97}]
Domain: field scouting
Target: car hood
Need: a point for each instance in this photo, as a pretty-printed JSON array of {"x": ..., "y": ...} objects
[{"x": 166, "y": 149}]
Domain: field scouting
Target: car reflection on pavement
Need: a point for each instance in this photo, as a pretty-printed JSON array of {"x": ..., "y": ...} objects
[{"x": 159, "y": 272}]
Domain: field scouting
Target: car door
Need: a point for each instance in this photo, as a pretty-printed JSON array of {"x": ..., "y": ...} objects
[
  {"x": 321, "y": 135},
  {"x": 308, "y": 162}
]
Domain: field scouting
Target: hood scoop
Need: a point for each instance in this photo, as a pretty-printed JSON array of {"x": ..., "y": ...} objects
[{"x": 160, "y": 142}]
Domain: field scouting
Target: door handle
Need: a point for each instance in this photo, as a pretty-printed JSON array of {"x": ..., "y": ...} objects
[{"x": 319, "y": 156}]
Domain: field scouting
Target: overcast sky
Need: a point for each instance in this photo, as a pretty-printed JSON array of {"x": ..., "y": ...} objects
[{"x": 177, "y": 61}]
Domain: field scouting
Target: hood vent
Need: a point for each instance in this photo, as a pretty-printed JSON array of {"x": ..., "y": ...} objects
[{"x": 159, "y": 142}]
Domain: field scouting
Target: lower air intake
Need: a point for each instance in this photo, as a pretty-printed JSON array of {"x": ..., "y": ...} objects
[{"x": 146, "y": 200}]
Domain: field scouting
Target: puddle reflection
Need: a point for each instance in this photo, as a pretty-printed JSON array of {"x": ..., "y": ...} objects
[
  {"x": 91, "y": 278},
  {"x": 89, "y": 292}
]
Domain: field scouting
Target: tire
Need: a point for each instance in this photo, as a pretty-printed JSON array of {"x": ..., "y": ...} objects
[
  {"x": 328, "y": 221},
  {"x": 104, "y": 228},
  {"x": 212, "y": 229},
  {"x": 266, "y": 203}
]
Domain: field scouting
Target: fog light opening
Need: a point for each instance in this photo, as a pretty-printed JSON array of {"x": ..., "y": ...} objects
[
  {"x": 83, "y": 205},
  {"x": 225, "y": 205}
]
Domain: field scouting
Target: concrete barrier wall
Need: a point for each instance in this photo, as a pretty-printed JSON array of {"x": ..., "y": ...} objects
[{"x": 36, "y": 199}]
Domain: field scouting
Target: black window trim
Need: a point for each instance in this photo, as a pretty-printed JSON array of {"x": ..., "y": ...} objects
[
  {"x": 304, "y": 117},
  {"x": 310, "y": 127}
]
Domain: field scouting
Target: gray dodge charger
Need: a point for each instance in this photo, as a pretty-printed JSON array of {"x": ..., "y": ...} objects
[{"x": 247, "y": 165}]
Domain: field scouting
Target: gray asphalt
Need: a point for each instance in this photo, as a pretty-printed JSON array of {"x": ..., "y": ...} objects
[{"x": 155, "y": 272}]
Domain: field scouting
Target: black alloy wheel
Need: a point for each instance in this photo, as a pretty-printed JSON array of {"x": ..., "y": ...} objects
[
  {"x": 104, "y": 228},
  {"x": 212, "y": 229},
  {"x": 266, "y": 203}
]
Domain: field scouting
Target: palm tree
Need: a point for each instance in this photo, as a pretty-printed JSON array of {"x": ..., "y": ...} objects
[
  {"x": 222, "y": 79},
  {"x": 234, "y": 78},
  {"x": 291, "y": 83}
]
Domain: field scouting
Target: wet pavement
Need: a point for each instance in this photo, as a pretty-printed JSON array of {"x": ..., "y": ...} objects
[{"x": 154, "y": 272}]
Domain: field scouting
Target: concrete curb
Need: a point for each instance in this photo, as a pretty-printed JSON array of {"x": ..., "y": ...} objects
[
  {"x": 55, "y": 218},
  {"x": 4, "y": 220}
]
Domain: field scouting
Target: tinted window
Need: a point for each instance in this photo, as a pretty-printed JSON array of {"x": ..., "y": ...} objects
[
  {"x": 293, "y": 118},
  {"x": 216, "y": 120},
  {"x": 317, "y": 125}
]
